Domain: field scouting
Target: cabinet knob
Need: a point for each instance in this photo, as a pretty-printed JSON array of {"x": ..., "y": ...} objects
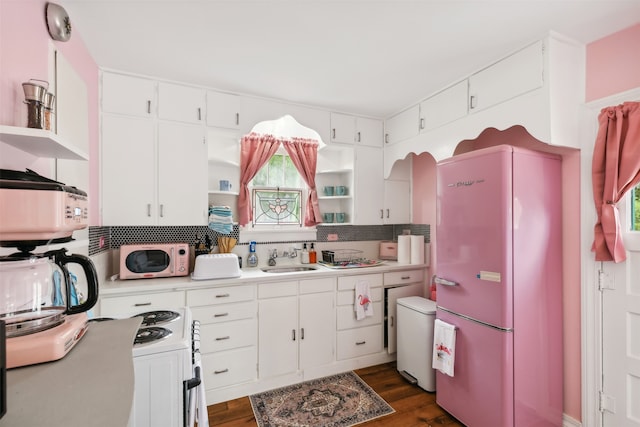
[
  {"x": 149, "y": 107},
  {"x": 359, "y": 137},
  {"x": 293, "y": 335},
  {"x": 387, "y": 213},
  {"x": 473, "y": 102},
  {"x": 148, "y": 209},
  {"x": 381, "y": 213},
  {"x": 237, "y": 119},
  {"x": 199, "y": 114},
  {"x": 222, "y": 371},
  {"x": 333, "y": 133},
  {"x": 386, "y": 138},
  {"x": 301, "y": 333},
  {"x": 361, "y": 342},
  {"x": 421, "y": 123}
]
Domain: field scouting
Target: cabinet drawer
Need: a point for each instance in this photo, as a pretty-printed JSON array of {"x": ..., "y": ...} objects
[
  {"x": 349, "y": 282},
  {"x": 136, "y": 304},
  {"x": 358, "y": 342},
  {"x": 399, "y": 277},
  {"x": 346, "y": 317},
  {"x": 225, "y": 312},
  {"x": 275, "y": 290},
  {"x": 226, "y": 336},
  {"x": 224, "y": 295},
  {"x": 230, "y": 367},
  {"x": 313, "y": 286},
  {"x": 349, "y": 297}
]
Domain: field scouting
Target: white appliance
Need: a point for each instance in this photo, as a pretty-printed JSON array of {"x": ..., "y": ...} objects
[
  {"x": 163, "y": 360},
  {"x": 416, "y": 316},
  {"x": 499, "y": 268}
]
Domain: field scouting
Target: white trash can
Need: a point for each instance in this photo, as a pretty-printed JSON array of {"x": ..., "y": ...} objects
[{"x": 416, "y": 317}]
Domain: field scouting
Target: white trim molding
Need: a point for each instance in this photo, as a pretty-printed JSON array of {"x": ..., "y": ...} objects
[{"x": 591, "y": 298}]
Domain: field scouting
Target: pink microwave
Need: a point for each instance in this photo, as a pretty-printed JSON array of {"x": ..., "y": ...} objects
[{"x": 151, "y": 260}]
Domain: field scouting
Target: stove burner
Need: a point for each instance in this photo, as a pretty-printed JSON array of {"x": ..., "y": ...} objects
[
  {"x": 158, "y": 317},
  {"x": 150, "y": 334}
]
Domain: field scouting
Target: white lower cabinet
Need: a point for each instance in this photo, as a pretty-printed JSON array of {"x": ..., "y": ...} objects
[
  {"x": 296, "y": 326},
  {"x": 228, "y": 334},
  {"x": 359, "y": 337},
  {"x": 125, "y": 306}
]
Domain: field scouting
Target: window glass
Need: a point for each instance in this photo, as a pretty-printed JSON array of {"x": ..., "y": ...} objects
[
  {"x": 635, "y": 208},
  {"x": 277, "y": 193}
]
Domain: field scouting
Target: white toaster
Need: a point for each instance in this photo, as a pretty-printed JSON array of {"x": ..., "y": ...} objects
[{"x": 216, "y": 266}]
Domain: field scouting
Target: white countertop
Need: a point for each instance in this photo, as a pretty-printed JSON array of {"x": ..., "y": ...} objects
[
  {"x": 248, "y": 276},
  {"x": 91, "y": 386}
]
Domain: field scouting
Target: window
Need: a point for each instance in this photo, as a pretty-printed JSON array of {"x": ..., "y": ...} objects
[
  {"x": 635, "y": 209},
  {"x": 277, "y": 193}
]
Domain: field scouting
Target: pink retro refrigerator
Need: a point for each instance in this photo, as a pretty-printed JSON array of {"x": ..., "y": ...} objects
[{"x": 499, "y": 282}]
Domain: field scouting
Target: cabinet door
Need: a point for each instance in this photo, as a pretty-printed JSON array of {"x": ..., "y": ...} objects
[
  {"x": 343, "y": 128},
  {"x": 369, "y": 132},
  {"x": 183, "y": 174},
  {"x": 402, "y": 126},
  {"x": 128, "y": 158},
  {"x": 133, "y": 96},
  {"x": 393, "y": 294},
  {"x": 181, "y": 103},
  {"x": 277, "y": 336},
  {"x": 513, "y": 76},
  {"x": 256, "y": 110},
  {"x": 318, "y": 120},
  {"x": 317, "y": 329},
  {"x": 223, "y": 110},
  {"x": 368, "y": 185},
  {"x": 444, "y": 107},
  {"x": 397, "y": 202}
]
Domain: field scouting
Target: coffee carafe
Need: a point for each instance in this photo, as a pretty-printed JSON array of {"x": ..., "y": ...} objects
[{"x": 38, "y": 290}]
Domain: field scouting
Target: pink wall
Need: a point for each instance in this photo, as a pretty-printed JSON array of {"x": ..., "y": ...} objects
[
  {"x": 24, "y": 55},
  {"x": 613, "y": 63}
]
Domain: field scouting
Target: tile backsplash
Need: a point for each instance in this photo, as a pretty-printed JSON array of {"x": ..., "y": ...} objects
[{"x": 105, "y": 238}]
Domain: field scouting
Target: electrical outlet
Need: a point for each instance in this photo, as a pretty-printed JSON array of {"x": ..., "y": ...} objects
[{"x": 333, "y": 237}]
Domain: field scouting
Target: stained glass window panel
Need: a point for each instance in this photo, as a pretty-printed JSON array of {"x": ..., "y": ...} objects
[{"x": 277, "y": 207}]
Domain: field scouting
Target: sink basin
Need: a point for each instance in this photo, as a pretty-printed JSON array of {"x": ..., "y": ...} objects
[{"x": 289, "y": 269}]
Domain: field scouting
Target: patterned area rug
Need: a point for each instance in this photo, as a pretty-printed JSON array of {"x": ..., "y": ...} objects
[{"x": 340, "y": 400}]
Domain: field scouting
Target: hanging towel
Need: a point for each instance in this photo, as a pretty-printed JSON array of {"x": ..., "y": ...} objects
[
  {"x": 444, "y": 347},
  {"x": 363, "y": 305},
  {"x": 198, "y": 400},
  {"x": 220, "y": 219}
]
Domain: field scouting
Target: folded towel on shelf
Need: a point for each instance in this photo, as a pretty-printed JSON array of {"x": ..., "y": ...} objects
[
  {"x": 221, "y": 219},
  {"x": 363, "y": 305},
  {"x": 444, "y": 347}
]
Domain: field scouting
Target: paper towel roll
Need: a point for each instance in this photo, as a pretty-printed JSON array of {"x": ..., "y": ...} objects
[
  {"x": 404, "y": 249},
  {"x": 417, "y": 249}
]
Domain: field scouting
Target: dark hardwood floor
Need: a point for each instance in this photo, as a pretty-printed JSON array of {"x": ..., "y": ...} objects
[{"x": 413, "y": 406}]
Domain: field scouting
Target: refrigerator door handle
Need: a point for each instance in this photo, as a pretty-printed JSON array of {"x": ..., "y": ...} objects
[{"x": 445, "y": 282}]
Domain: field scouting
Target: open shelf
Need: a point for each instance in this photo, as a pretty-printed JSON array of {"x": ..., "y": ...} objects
[{"x": 41, "y": 143}]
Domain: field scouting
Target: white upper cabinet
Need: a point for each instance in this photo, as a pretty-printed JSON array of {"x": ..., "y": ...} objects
[
  {"x": 444, "y": 107},
  {"x": 317, "y": 120},
  {"x": 369, "y": 132},
  {"x": 343, "y": 128},
  {"x": 182, "y": 158},
  {"x": 402, "y": 126},
  {"x": 181, "y": 103},
  {"x": 369, "y": 185},
  {"x": 516, "y": 74},
  {"x": 256, "y": 110},
  {"x": 348, "y": 129},
  {"x": 129, "y": 171},
  {"x": 223, "y": 110},
  {"x": 128, "y": 95}
]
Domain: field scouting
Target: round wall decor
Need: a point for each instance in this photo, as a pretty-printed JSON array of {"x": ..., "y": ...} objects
[{"x": 58, "y": 22}]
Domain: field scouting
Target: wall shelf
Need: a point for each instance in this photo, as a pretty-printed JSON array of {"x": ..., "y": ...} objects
[
  {"x": 224, "y": 193},
  {"x": 40, "y": 143}
]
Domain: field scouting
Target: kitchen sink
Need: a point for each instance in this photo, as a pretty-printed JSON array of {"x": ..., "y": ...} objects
[{"x": 290, "y": 269}]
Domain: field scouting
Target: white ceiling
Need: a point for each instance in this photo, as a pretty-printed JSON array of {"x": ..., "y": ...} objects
[{"x": 371, "y": 57}]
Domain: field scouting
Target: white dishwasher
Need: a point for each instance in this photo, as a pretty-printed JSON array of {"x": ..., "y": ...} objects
[{"x": 416, "y": 316}]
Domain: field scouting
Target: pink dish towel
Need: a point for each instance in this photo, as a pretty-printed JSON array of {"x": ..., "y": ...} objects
[
  {"x": 444, "y": 347},
  {"x": 363, "y": 305}
]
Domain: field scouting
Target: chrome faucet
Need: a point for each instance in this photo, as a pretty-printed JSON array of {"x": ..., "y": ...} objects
[{"x": 272, "y": 257}]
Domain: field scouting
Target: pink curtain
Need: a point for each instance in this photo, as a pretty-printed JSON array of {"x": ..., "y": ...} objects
[
  {"x": 304, "y": 154},
  {"x": 255, "y": 151},
  {"x": 615, "y": 169}
]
